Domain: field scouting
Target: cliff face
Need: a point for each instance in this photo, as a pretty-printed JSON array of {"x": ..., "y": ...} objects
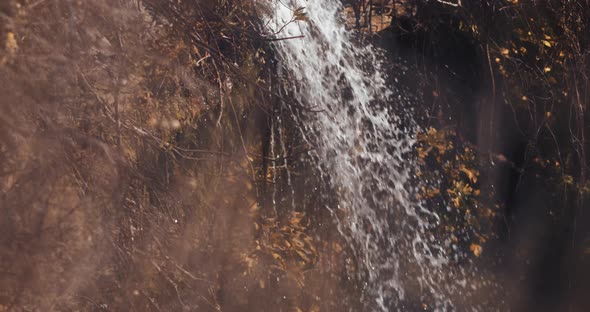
[{"x": 506, "y": 80}]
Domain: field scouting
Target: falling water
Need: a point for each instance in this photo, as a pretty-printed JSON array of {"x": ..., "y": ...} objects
[{"x": 363, "y": 138}]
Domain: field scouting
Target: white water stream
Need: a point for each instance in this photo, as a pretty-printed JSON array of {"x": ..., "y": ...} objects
[{"x": 365, "y": 153}]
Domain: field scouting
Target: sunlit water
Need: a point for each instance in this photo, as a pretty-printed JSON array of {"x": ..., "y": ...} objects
[{"x": 363, "y": 146}]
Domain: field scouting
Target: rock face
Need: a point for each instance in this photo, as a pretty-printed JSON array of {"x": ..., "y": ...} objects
[{"x": 467, "y": 87}]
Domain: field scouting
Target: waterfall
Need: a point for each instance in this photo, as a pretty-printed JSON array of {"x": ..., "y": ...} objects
[{"x": 362, "y": 132}]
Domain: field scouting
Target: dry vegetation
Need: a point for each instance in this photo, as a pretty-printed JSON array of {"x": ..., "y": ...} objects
[
  {"x": 137, "y": 168},
  {"x": 134, "y": 150}
]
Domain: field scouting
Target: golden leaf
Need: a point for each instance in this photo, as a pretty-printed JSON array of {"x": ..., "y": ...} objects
[
  {"x": 476, "y": 249},
  {"x": 471, "y": 174},
  {"x": 277, "y": 256},
  {"x": 457, "y": 201},
  {"x": 11, "y": 44}
]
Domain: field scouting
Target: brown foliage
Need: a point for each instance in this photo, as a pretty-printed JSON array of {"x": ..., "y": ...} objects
[{"x": 128, "y": 135}]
